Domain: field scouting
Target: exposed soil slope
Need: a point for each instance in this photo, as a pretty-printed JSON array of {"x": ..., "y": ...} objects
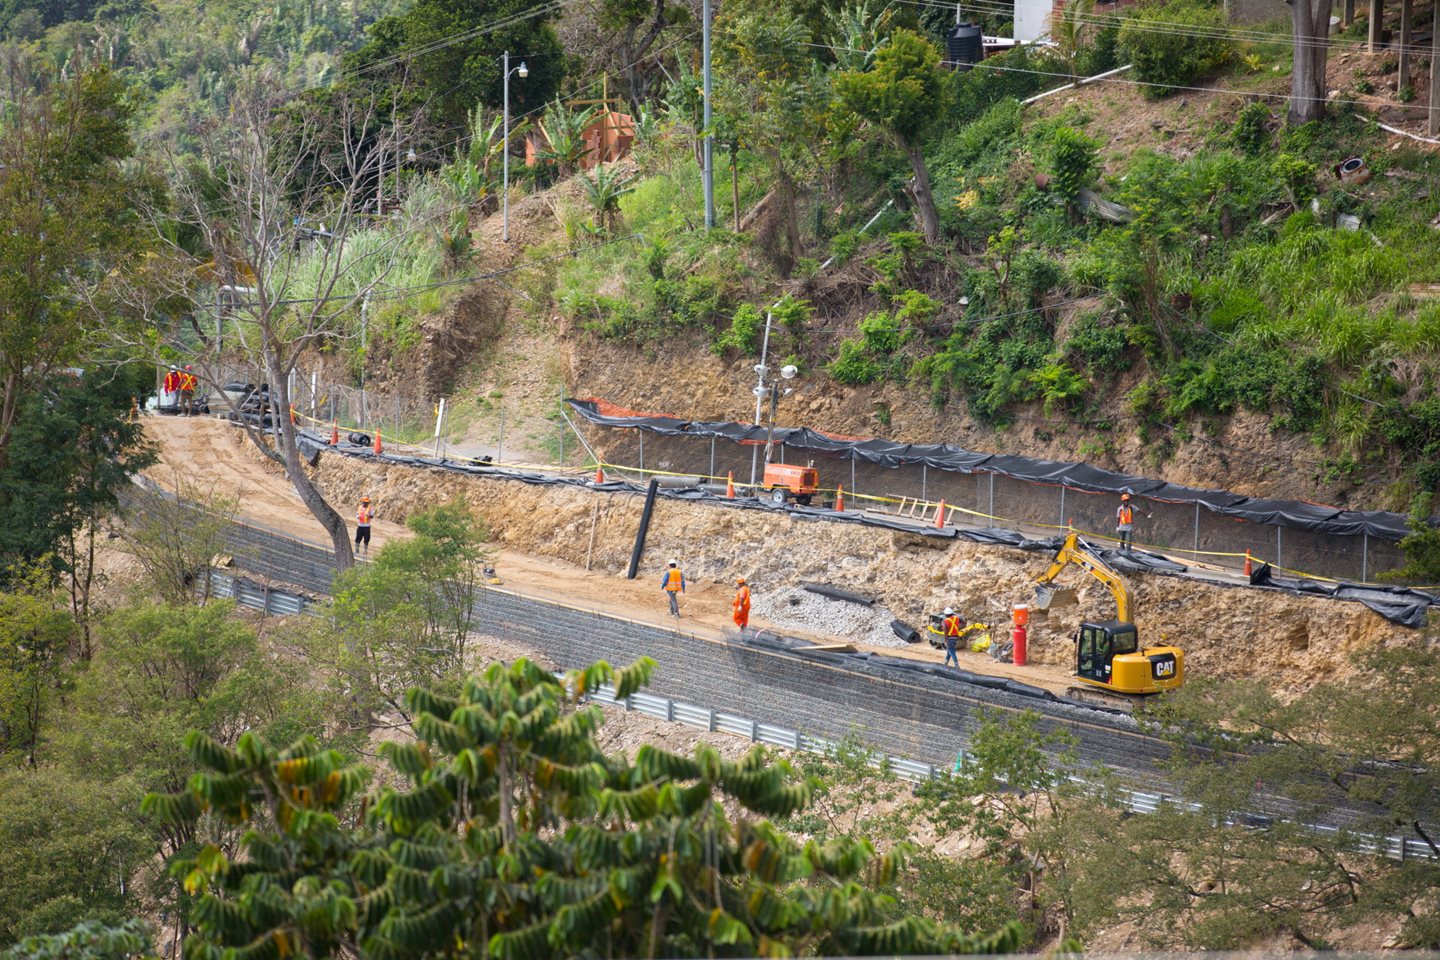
[{"x": 543, "y": 535}]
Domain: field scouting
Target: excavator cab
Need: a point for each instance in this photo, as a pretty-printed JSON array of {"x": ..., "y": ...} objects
[{"x": 1109, "y": 655}]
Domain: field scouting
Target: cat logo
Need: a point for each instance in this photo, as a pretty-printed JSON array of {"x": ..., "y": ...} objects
[{"x": 1164, "y": 669}]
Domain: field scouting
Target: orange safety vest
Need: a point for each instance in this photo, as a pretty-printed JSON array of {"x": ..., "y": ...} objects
[
  {"x": 742, "y": 600},
  {"x": 172, "y": 382},
  {"x": 363, "y": 517},
  {"x": 952, "y": 626},
  {"x": 187, "y": 381},
  {"x": 1126, "y": 514},
  {"x": 673, "y": 580}
]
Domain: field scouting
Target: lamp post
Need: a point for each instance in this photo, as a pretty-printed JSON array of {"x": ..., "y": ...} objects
[
  {"x": 524, "y": 72},
  {"x": 787, "y": 372}
]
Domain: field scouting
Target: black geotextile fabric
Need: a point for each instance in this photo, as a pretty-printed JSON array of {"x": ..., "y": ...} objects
[
  {"x": 1398, "y": 604},
  {"x": 1296, "y": 514}
]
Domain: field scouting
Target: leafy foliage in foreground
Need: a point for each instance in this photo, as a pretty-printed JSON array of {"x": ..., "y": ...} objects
[{"x": 516, "y": 835}]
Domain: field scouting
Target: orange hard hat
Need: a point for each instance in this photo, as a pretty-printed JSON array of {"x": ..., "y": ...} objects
[
  {"x": 187, "y": 366},
  {"x": 739, "y": 579},
  {"x": 1124, "y": 496},
  {"x": 364, "y": 499}
]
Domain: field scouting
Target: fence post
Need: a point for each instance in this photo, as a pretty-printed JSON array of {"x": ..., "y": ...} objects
[
  {"x": 1062, "y": 504},
  {"x": 852, "y": 474},
  {"x": 1196, "y": 551},
  {"x": 562, "y": 447},
  {"x": 500, "y": 449},
  {"x": 712, "y": 458},
  {"x": 992, "y": 496},
  {"x": 642, "y": 450},
  {"x": 1278, "y": 555},
  {"x": 924, "y": 477},
  {"x": 1364, "y": 557}
]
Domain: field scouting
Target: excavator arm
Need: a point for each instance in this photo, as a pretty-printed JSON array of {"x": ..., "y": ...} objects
[{"x": 1077, "y": 551}]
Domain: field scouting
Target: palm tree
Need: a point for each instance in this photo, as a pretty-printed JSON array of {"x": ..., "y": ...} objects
[
  {"x": 604, "y": 191},
  {"x": 564, "y": 132}
]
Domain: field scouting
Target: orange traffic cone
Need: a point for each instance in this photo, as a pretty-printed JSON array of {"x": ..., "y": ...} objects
[
  {"x": 840, "y": 498},
  {"x": 940, "y": 517},
  {"x": 1248, "y": 564},
  {"x": 379, "y": 449},
  {"x": 730, "y": 485},
  {"x": 334, "y": 433},
  {"x": 599, "y": 474}
]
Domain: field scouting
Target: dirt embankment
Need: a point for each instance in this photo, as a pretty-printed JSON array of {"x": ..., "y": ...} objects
[{"x": 1291, "y": 642}]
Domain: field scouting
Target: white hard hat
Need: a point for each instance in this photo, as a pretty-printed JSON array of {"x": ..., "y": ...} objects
[
  {"x": 674, "y": 563},
  {"x": 949, "y": 611}
]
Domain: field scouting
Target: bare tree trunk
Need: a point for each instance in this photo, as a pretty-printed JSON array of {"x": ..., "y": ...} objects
[
  {"x": 925, "y": 211},
  {"x": 289, "y": 450},
  {"x": 785, "y": 193},
  {"x": 1310, "y": 20}
]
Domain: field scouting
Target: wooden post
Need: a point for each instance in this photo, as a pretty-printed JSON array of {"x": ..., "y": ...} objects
[
  {"x": 1407, "y": 37},
  {"x": 1376, "y": 26},
  {"x": 1434, "y": 111},
  {"x": 1347, "y": 14}
]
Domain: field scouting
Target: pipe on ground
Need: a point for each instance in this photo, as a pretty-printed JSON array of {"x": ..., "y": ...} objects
[{"x": 639, "y": 549}]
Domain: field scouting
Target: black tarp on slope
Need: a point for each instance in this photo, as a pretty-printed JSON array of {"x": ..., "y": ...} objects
[
  {"x": 1296, "y": 514},
  {"x": 1400, "y": 605}
]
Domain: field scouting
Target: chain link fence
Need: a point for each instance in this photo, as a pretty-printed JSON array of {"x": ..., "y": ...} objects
[{"x": 981, "y": 499}]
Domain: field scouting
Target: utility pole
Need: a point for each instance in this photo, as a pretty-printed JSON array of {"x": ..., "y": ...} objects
[{"x": 709, "y": 140}]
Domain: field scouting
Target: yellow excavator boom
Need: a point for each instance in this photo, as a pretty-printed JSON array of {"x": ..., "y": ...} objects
[{"x": 1077, "y": 551}]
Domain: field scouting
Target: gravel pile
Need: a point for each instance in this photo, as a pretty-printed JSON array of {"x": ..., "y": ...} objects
[{"x": 802, "y": 610}]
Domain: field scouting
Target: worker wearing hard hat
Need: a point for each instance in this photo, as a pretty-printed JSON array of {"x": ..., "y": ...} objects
[
  {"x": 363, "y": 516},
  {"x": 1125, "y": 522},
  {"x": 673, "y": 583},
  {"x": 187, "y": 391},
  {"x": 952, "y": 626},
  {"x": 742, "y": 604}
]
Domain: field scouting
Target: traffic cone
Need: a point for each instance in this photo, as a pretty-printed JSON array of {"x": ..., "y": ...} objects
[
  {"x": 379, "y": 449},
  {"x": 1248, "y": 564},
  {"x": 940, "y": 517},
  {"x": 730, "y": 485},
  {"x": 335, "y": 433},
  {"x": 840, "y": 498},
  {"x": 599, "y": 475}
]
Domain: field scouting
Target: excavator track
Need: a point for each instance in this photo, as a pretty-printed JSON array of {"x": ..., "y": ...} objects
[{"x": 1115, "y": 701}]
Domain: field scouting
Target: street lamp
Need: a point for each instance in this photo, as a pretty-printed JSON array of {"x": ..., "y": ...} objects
[
  {"x": 787, "y": 372},
  {"x": 524, "y": 72}
]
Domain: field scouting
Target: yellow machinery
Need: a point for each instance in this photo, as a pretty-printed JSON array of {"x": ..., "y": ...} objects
[{"x": 1108, "y": 654}]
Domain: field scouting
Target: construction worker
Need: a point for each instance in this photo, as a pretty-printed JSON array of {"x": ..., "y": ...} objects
[
  {"x": 742, "y": 604},
  {"x": 171, "y": 386},
  {"x": 362, "y": 525},
  {"x": 1125, "y": 522},
  {"x": 952, "y": 626},
  {"x": 673, "y": 583},
  {"x": 187, "y": 391}
]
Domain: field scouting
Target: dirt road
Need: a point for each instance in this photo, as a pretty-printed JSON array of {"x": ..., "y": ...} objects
[{"x": 207, "y": 455}]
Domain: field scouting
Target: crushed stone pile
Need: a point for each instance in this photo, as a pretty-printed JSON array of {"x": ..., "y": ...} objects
[{"x": 815, "y": 614}]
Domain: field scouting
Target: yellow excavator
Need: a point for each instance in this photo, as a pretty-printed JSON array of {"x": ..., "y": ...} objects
[{"x": 1108, "y": 654}]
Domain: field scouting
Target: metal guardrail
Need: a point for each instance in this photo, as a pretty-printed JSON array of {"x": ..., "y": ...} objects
[{"x": 280, "y": 602}]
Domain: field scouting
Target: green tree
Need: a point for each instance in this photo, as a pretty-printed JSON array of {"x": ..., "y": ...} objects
[
  {"x": 517, "y": 837},
  {"x": 774, "y": 94},
  {"x": 90, "y": 940},
  {"x": 902, "y": 93},
  {"x": 604, "y": 190},
  {"x": 36, "y": 635},
  {"x": 73, "y": 449},
  {"x": 1174, "y": 43},
  {"x": 67, "y": 200},
  {"x": 404, "y": 620},
  {"x": 453, "y": 49},
  {"x": 1074, "y": 159},
  {"x": 70, "y": 847}
]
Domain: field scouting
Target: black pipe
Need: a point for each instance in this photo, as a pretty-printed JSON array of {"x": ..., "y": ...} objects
[{"x": 644, "y": 528}]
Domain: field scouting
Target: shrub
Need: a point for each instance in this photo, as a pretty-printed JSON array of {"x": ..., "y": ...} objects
[
  {"x": 854, "y": 366},
  {"x": 743, "y": 333},
  {"x": 1074, "y": 158},
  {"x": 1251, "y": 133},
  {"x": 1100, "y": 346},
  {"x": 1168, "y": 57}
]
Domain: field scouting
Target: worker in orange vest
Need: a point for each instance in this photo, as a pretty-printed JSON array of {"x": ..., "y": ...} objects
[
  {"x": 952, "y": 627},
  {"x": 362, "y": 525},
  {"x": 742, "y": 604},
  {"x": 673, "y": 583},
  {"x": 1125, "y": 522},
  {"x": 187, "y": 391},
  {"x": 172, "y": 383}
]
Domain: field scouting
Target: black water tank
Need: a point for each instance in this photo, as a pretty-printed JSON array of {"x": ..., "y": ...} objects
[{"x": 964, "y": 46}]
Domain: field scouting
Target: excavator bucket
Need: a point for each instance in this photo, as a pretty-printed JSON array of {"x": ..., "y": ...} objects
[{"x": 1048, "y": 595}]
